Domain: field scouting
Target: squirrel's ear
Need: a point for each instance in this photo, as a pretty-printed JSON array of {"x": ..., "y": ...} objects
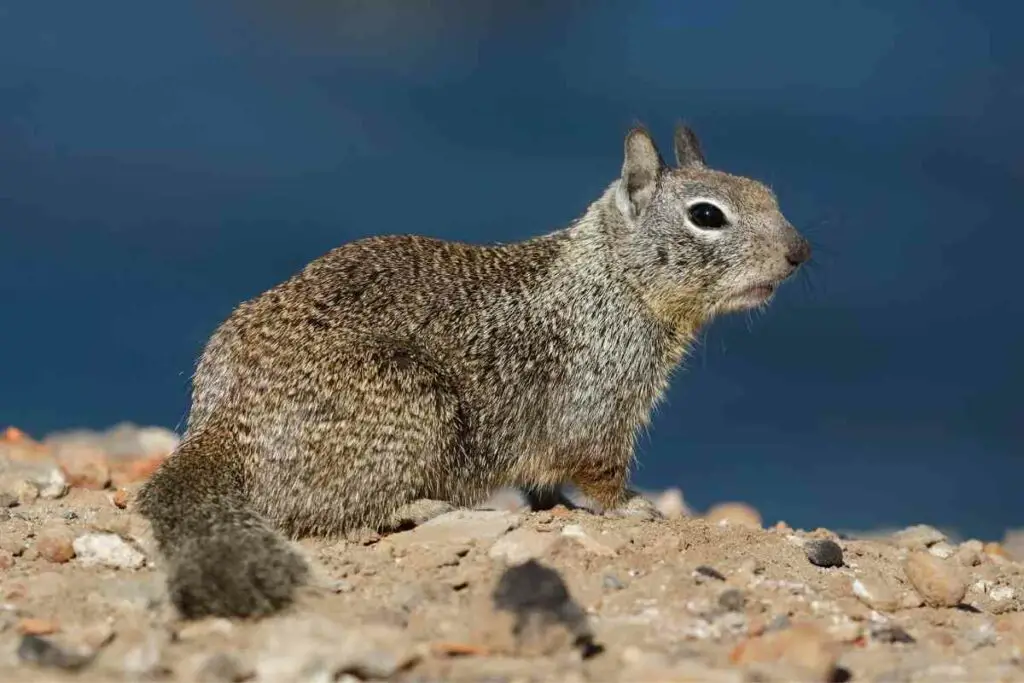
[
  {"x": 688, "y": 152},
  {"x": 640, "y": 171}
]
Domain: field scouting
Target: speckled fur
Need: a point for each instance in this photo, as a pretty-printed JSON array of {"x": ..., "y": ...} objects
[{"x": 399, "y": 368}]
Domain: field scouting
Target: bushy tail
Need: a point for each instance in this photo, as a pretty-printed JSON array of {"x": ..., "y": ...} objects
[{"x": 222, "y": 558}]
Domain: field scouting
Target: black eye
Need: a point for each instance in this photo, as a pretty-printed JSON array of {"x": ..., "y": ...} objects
[{"x": 705, "y": 215}]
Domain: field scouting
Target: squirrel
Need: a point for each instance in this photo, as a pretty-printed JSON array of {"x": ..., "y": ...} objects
[{"x": 400, "y": 371}]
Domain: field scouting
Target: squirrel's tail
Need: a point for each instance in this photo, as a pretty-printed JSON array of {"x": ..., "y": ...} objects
[{"x": 221, "y": 558}]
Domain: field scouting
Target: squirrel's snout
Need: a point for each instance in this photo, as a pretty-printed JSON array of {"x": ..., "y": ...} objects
[{"x": 799, "y": 252}]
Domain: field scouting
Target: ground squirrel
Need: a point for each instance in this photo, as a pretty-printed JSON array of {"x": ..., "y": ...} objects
[{"x": 401, "y": 369}]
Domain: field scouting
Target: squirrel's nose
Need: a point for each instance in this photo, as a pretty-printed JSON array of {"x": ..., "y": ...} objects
[{"x": 799, "y": 252}]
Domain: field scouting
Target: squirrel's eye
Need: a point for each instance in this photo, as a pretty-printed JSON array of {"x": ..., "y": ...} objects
[{"x": 705, "y": 215}]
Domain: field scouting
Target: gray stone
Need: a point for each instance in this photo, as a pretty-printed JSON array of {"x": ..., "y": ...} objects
[
  {"x": 824, "y": 553},
  {"x": 302, "y": 648},
  {"x": 461, "y": 527},
  {"x": 44, "y": 653}
]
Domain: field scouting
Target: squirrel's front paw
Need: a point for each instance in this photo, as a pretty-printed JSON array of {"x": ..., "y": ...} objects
[{"x": 636, "y": 507}]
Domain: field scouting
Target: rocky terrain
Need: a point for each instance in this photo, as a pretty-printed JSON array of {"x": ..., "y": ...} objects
[{"x": 502, "y": 594}]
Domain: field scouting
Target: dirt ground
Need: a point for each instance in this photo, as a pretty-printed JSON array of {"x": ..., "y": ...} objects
[{"x": 502, "y": 595}]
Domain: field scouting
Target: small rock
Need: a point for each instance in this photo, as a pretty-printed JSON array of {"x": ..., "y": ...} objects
[
  {"x": 804, "y": 647},
  {"x": 26, "y": 491},
  {"x": 111, "y": 520},
  {"x": 128, "y": 472},
  {"x": 590, "y": 543},
  {"x": 824, "y": 553},
  {"x": 41, "y": 652},
  {"x": 918, "y": 537},
  {"x": 141, "y": 655},
  {"x": 37, "y": 627},
  {"x": 108, "y": 550},
  {"x": 54, "y": 544},
  {"x": 910, "y": 599},
  {"x": 996, "y": 550},
  {"x": 670, "y": 503},
  {"x": 120, "y": 498},
  {"x": 891, "y": 633},
  {"x": 84, "y": 466},
  {"x": 705, "y": 572},
  {"x": 203, "y": 629},
  {"x": 463, "y": 527},
  {"x": 969, "y": 553},
  {"x": 6, "y": 559},
  {"x": 738, "y": 514},
  {"x": 1000, "y": 593},
  {"x": 521, "y": 545},
  {"x": 314, "y": 648},
  {"x": 938, "y": 582},
  {"x": 732, "y": 600},
  {"x": 611, "y": 582},
  {"x": 942, "y": 550},
  {"x": 223, "y": 667},
  {"x": 875, "y": 592}
]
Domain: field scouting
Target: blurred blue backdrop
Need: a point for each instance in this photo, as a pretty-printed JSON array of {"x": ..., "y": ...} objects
[{"x": 160, "y": 162}]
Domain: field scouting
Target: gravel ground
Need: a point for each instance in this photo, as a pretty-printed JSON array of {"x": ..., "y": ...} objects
[{"x": 499, "y": 595}]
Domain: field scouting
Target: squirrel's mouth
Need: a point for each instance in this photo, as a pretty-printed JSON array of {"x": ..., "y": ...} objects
[{"x": 752, "y": 296}]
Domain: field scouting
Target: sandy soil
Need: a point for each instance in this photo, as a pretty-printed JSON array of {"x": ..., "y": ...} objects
[{"x": 506, "y": 595}]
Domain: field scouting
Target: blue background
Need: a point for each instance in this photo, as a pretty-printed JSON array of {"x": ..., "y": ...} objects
[{"x": 160, "y": 162}]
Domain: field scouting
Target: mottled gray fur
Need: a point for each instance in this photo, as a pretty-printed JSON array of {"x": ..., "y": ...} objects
[{"x": 395, "y": 369}]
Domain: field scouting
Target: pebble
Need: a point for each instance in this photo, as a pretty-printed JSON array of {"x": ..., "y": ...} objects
[
  {"x": 671, "y": 503},
  {"x": 705, "y": 572},
  {"x": 6, "y": 559},
  {"x": 1000, "y": 593},
  {"x": 732, "y": 600},
  {"x": 824, "y": 553},
  {"x": 996, "y": 550},
  {"x": 306, "y": 647},
  {"x": 41, "y": 652},
  {"x": 942, "y": 550},
  {"x": 223, "y": 667},
  {"x": 107, "y": 550},
  {"x": 918, "y": 537},
  {"x": 732, "y": 513},
  {"x": 612, "y": 582},
  {"x": 605, "y": 546},
  {"x": 37, "y": 627},
  {"x": 875, "y": 592},
  {"x": 969, "y": 554},
  {"x": 26, "y": 491},
  {"x": 891, "y": 633},
  {"x": 84, "y": 466},
  {"x": 805, "y": 647},
  {"x": 55, "y": 544},
  {"x": 120, "y": 498},
  {"x": 938, "y": 582},
  {"x": 464, "y": 527}
]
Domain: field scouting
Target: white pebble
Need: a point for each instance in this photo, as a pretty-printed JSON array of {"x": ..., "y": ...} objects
[{"x": 108, "y": 550}]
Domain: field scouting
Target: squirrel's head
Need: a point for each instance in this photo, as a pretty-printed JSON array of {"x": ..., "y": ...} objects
[{"x": 698, "y": 241}]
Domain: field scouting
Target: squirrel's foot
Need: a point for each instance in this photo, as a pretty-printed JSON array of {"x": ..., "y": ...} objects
[
  {"x": 415, "y": 513},
  {"x": 547, "y": 498},
  {"x": 636, "y": 506}
]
